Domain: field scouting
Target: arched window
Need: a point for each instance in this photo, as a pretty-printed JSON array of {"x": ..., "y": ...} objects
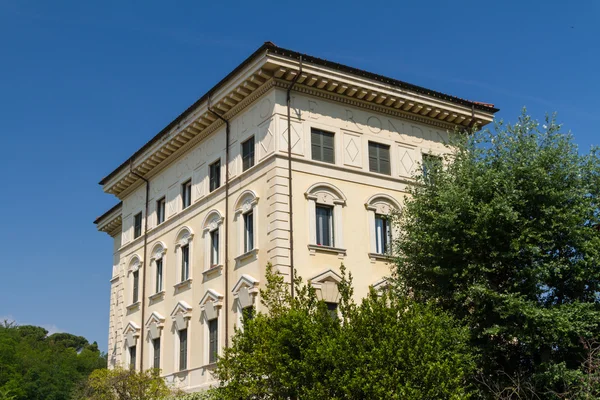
[
  {"x": 325, "y": 217},
  {"x": 246, "y": 218},
  {"x": 213, "y": 240},
  {"x": 183, "y": 254},
  {"x": 380, "y": 208},
  {"x": 158, "y": 262},
  {"x": 133, "y": 272}
]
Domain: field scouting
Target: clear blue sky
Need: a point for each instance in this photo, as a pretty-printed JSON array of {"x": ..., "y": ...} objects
[{"x": 83, "y": 86}]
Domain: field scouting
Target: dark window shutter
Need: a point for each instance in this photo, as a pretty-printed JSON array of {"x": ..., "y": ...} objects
[
  {"x": 213, "y": 329},
  {"x": 328, "y": 149},
  {"x": 156, "y": 343},
  {"x": 384, "y": 160},
  {"x": 183, "y": 349},
  {"x": 136, "y": 278}
]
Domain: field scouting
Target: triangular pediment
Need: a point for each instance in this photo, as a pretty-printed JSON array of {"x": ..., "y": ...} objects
[
  {"x": 211, "y": 295},
  {"x": 245, "y": 281},
  {"x": 131, "y": 327},
  {"x": 327, "y": 275},
  {"x": 181, "y": 308},
  {"x": 155, "y": 318}
]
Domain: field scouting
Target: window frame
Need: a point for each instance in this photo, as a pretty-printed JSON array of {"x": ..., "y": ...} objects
[
  {"x": 213, "y": 340},
  {"x": 380, "y": 147},
  {"x": 137, "y": 225},
  {"x": 159, "y": 275},
  {"x": 135, "y": 290},
  {"x": 186, "y": 194},
  {"x": 184, "y": 262},
  {"x": 250, "y": 145},
  {"x": 156, "y": 352},
  {"x": 161, "y": 209},
  {"x": 321, "y": 133},
  {"x": 320, "y": 239},
  {"x": 133, "y": 357},
  {"x": 183, "y": 348},
  {"x": 249, "y": 239},
  {"x": 214, "y": 176},
  {"x": 383, "y": 240},
  {"x": 215, "y": 256}
]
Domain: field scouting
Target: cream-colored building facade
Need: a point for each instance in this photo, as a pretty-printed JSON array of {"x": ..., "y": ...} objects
[{"x": 190, "y": 246}]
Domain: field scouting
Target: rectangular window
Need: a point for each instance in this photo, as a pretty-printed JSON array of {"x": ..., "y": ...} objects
[
  {"x": 137, "y": 225},
  {"x": 248, "y": 154},
  {"x": 132, "y": 357},
  {"x": 156, "y": 346},
  {"x": 332, "y": 309},
  {"x": 430, "y": 162},
  {"x": 136, "y": 281},
  {"x": 159, "y": 275},
  {"x": 214, "y": 248},
  {"x": 185, "y": 262},
  {"x": 160, "y": 210},
  {"x": 186, "y": 194},
  {"x": 215, "y": 175},
  {"x": 322, "y": 148},
  {"x": 213, "y": 340},
  {"x": 248, "y": 231},
  {"x": 324, "y": 226},
  {"x": 248, "y": 313},
  {"x": 379, "y": 158},
  {"x": 382, "y": 234},
  {"x": 183, "y": 339}
]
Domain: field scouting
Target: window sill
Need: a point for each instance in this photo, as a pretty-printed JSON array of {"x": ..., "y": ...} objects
[
  {"x": 213, "y": 270},
  {"x": 379, "y": 257},
  {"x": 210, "y": 366},
  {"x": 157, "y": 296},
  {"x": 134, "y": 306},
  {"x": 183, "y": 285},
  {"x": 313, "y": 248},
  {"x": 246, "y": 255}
]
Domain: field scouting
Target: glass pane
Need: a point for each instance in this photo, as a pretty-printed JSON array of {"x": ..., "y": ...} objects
[
  {"x": 379, "y": 235},
  {"x": 324, "y": 226}
]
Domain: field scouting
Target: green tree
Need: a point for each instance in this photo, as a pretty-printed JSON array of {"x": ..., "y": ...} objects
[
  {"x": 125, "y": 384},
  {"x": 505, "y": 237},
  {"x": 385, "y": 348},
  {"x": 34, "y": 365}
]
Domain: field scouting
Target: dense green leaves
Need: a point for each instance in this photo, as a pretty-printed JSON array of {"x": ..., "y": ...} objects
[
  {"x": 385, "y": 348},
  {"x": 505, "y": 237},
  {"x": 36, "y": 366}
]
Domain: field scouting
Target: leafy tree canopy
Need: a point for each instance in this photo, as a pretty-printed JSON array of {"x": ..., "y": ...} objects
[
  {"x": 385, "y": 348},
  {"x": 34, "y": 365},
  {"x": 505, "y": 237}
]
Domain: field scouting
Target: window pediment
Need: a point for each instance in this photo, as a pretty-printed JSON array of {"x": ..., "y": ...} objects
[
  {"x": 158, "y": 251},
  {"x": 245, "y": 202},
  {"x": 245, "y": 290},
  {"x": 210, "y": 304},
  {"x": 212, "y": 221},
  {"x": 181, "y": 314},
  {"x": 326, "y": 284}
]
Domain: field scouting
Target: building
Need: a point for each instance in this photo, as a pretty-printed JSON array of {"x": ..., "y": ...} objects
[{"x": 198, "y": 220}]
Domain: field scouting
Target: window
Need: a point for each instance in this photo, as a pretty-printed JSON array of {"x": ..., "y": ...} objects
[
  {"x": 137, "y": 225},
  {"x": 215, "y": 175},
  {"x": 248, "y": 154},
  {"x": 248, "y": 313},
  {"x": 160, "y": 211},
  {"x": 159, "y": 275},
  {"x": 136, "y": 281},
  {"x": 214, "y": 248},
  {"x": 186, "y": 194},
  {"x": 132, "y": 356},
  {"x": 322, "y": 146},
  {"x": 248, "y": 231},
  {"x": 379, "y": 158},
  {"x": 213, "y": 340},
  {"x": 382, "y": 234},
  {"x": 183, "y": 339},
  {"x": 324, "y": 225},
  {"x": 156, "y": 353},
  {"x": 430, "y": 163},
  {"x": 185, "y": 262},
  {"x": 332, "y": 309}
]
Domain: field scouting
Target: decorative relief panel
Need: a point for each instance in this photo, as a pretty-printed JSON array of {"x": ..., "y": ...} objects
[
  {"x": 297, "y": 137},
  {"x": 408, "y": 160},
  {"x": 172, "y": 200},
  {"x": 127, "y": 229},
  {"x": 267, "y": 139},
  {"x": 198, "y": 182},
  {"x": 352, "y": 150}
]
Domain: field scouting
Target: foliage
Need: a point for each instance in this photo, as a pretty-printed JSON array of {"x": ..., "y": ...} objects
[
  {"x": 385, "y": 348},
  {"x": 125, "y": 384},
  {"x": 34, "y": 365},
  {"x": 505, "y": 237}
]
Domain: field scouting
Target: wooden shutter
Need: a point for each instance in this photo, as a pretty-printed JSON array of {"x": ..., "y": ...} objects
[
  {"x": 384, "y": 159},
  {"x": 136, "y": 278},
  {"x": 213, "y": 334},
  {"x": 156, "y": 343},
  {"x": 182, "y": 349},
  {"x": 373, "y": 157}
]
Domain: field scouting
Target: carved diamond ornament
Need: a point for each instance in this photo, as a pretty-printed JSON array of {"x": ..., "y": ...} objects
[
  {"x": 352, "y": 150},
  {"x": 266, "y": 142},
  {"x": 295, "y": 136},
  {"x": 407, "y": 161}
]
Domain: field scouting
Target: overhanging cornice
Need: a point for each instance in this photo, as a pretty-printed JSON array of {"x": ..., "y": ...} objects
[
  {"x": 111, "y": 221},
  {"x": 272, "y": 66}
]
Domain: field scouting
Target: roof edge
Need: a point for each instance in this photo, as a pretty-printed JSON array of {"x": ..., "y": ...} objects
[{"x": 107, "y": 213}]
